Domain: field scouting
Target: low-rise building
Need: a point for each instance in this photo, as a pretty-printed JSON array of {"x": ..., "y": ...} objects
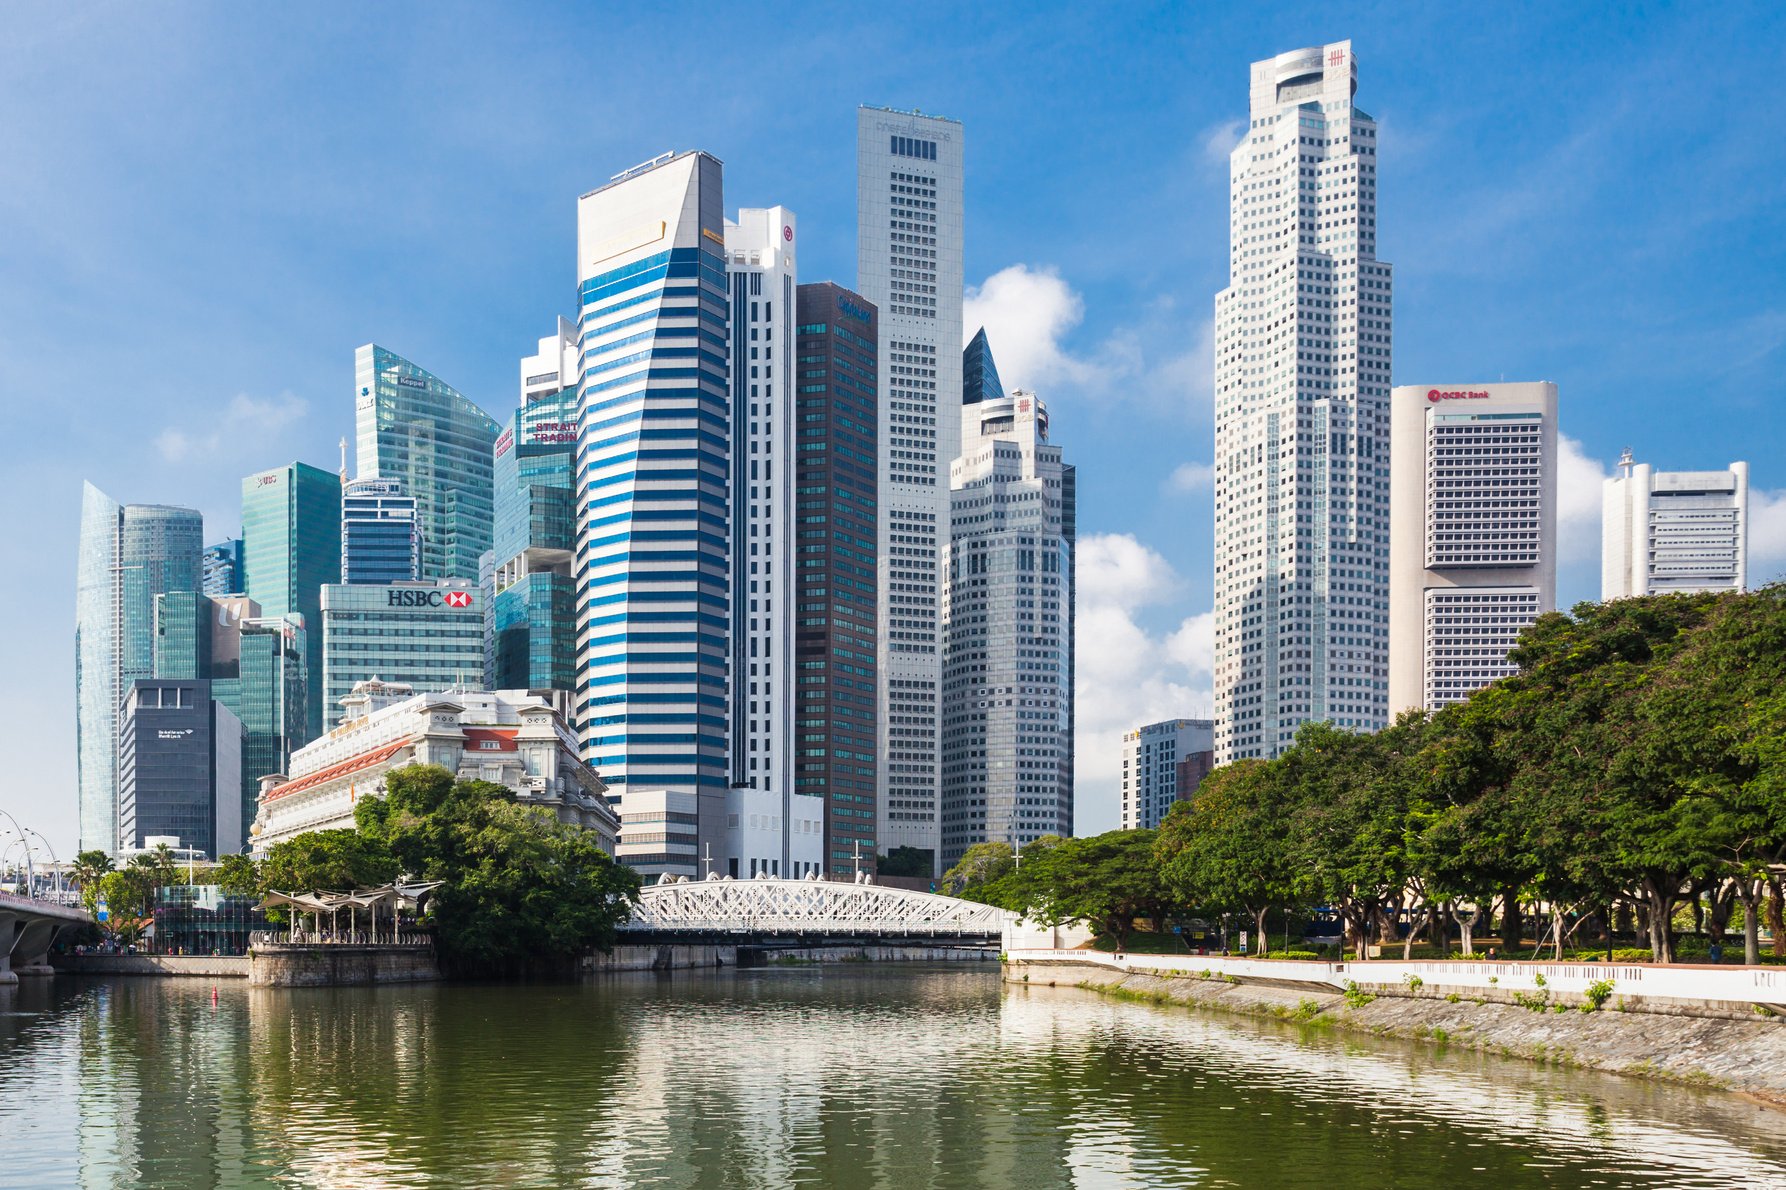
[{"x": 510, "y": 737}]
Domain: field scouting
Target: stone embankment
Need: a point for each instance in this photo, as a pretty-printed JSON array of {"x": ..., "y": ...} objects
[
  {"x": 200, "y": 965},
  {"x": 272, "y": 966},
  {"x": 1736, "y": 1044},
  {"x": 681, "y": 956}
]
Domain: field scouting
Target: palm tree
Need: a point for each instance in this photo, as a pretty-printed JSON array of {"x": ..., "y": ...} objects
[{"x": 88, "y": 870}]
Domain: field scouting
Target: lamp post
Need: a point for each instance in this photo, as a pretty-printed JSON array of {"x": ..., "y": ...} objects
[{"x": 30, "y": 872}]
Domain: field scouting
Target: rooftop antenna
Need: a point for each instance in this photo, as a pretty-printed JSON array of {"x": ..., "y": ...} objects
[
  {"x": 1626, "y": 462},
  {"x": 344, "y": 460}
]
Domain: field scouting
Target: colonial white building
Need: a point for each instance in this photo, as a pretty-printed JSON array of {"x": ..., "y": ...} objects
[{"x": 509, "y": 737}]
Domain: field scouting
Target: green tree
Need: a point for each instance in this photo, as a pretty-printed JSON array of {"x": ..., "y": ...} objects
[
  {"x": 1226, "y": 849},
  {"x": 1106, "y": 881},
  {"x": 239, "y": 876},
  {"x": 88, "y": 870},
  {"x": 981, "y": 867},
  {"x": 518, "y": 887}
]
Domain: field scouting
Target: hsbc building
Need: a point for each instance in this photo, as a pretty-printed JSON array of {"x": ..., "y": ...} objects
[{"x": 429, "y": 635}]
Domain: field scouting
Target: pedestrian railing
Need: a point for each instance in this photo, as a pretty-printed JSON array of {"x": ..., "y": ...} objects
[{"x": 404, "y": 938}]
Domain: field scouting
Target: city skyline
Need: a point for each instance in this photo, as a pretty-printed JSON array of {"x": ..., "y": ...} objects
[{"x": 1076, "y": 310}]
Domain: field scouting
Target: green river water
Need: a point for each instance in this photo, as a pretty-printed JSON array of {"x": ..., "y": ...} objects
[{"x": 847, "y": 1075}]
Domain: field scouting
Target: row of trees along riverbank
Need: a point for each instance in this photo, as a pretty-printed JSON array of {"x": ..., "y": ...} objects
[{"x": 1630, "y": 776}]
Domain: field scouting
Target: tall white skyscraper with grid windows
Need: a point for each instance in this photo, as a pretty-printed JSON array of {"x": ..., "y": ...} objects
[
  {"x": 1302, "y": 416},
  {"x": 908, "y": 263}
]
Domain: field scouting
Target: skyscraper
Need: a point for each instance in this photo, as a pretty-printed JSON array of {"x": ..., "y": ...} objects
[
  {"x": 429, "y": 636},
  {"x": 532, "y": 637},
  {"x": 179, "y": 767},
  {"x": 1007, "y": 706},
  {"x": 1674, "y": 530},
  {"x": 1473, "y": 533},
  {"x": 412, "y": 426},
  {"x": 1154, "y": 759},
  {"x": 291, "y": 549},
  {"x": 1302, "y": 416},
  {"x": 908, "y": 264},
  {"x": 221, "y": 568},
  {"x": 380, "y": 539},
  {"x": 760, "y": 263},
  {"x": 128, "y": 555},
  {"x": 654, "y": 488},
  {"x": 256, "y": 669},
  {"x": 837, "y": 406}
]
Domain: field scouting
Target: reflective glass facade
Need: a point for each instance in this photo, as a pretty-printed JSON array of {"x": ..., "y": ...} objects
[
  {"x": 413, "y": 427},
  {"x": 380, "y": 539},
  {"x": 222, "y": 568},
  {"x": 533, "y": 631},
  {"x": 128, "y": 555},
  {"x": 836, "y": 407},
  {"x": 178, "y": 752},
  {"x": 291, "y": 535}
]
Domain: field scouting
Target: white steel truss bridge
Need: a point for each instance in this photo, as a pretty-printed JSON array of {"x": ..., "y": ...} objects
[{"x": 809, "y": 908}]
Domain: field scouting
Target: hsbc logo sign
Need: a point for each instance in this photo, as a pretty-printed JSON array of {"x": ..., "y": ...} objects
[
  {"x": 1436, "y": 395},
  {"x": 423, "y": 597}
]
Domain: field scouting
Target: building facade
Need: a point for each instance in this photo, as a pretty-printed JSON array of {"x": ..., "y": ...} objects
[
  {"x": 1302, "y": 359},
  {"x": 381, "y": 541},
  {"x": 1007, "y": 708},
  {"x": 415, "y": 428},
  {"x": 653, "y": 496},
  {"x": 220, "y": 568},
  {"x": 429, "y": 636},
  {"x": 1473, "y": 533},
  {"x": 761, "y": 266},
  {"x": 179, "y": 768},
  {"x": 909, "y": 266},
  {"x": 1671, "y": 531},
  {"x": 291, "y": 548},
  {"x": 257, "y": 669},
  {"x": 128, "y": 554},
  {"x": 508, "y": 737},
  {"x": 1154, "y": 759},
  {"x": 837, "y": 509}
]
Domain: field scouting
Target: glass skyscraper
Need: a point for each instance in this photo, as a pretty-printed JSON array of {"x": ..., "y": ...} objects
[
  {"x": 291, "y": 548},
  {"x": 653, "y": 486},
  {"x": 413, "y": 427},
  {"x": 836, "y": 408},
  {"x": 222, "y": 568},
  {"x": 380, "y": 541},
  {"x": 128, "y": 555},
  {"x": 256, "y": 669},
  {"x": 530, "y": 592}
]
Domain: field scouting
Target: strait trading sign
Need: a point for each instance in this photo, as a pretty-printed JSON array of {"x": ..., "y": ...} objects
[
  {"x": 407, "y": 597},
  {"x": 1436, "y": 395}
]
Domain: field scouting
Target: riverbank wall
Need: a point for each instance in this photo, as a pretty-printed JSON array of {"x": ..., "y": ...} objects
[
  {"x": 336, "y": 965},
  {"x": 684, "y": 956},
  {"x": 1710, "y": 1042},
  {"x": 196, "y": 965}
]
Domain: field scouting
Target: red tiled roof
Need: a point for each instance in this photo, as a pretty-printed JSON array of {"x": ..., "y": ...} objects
[
  {"x": 350, "y": 765},
  {"x": 504, "y": 738}
]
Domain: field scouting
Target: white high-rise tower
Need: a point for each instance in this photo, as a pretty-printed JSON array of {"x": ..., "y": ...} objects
[
  {"x": 1302, "y": 416},
  {"x": 908, "y": 263}
]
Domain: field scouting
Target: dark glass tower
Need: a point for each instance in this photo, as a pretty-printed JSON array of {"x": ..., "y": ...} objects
[
  {"x": 979, "y": 375},
  {"x": 836, "y": 568},
  {"x": 291, "y": 546}
]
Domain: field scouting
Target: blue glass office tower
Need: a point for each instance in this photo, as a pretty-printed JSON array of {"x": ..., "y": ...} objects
[
  {"x": 652, "y": 485},
  {"x": 221, "y": 568},
  {"x": 291, "y": 547},
  {"x": 414, "y": 427},
  {"x": 530, "y": 591},
  {"x": 380, "y": 542},
  {"x": 128, "y": 555}
]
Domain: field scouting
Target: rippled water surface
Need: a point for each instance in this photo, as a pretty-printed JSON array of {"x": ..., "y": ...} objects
[{"x": 837, "y": 1076}]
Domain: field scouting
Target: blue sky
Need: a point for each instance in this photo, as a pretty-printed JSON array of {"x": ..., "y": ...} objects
[{"x": 208, "y": 207}]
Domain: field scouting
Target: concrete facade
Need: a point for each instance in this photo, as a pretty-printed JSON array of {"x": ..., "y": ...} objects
[{"x": 1674, "y": 531}]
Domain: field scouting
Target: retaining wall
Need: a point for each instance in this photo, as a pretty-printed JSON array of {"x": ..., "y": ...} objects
[
  {"x": 340, "y": 966},
  {"x": 679, "y": 957},
  {"x": 207, "y": 966}
]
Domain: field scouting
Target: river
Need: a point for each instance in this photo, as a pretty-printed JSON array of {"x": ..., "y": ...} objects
[{"x": 846, "y": 1075}]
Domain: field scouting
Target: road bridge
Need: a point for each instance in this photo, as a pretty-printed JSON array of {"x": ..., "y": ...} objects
[
  {"x": 764, "y": 910},
  {"x": 27, "y": 928}
]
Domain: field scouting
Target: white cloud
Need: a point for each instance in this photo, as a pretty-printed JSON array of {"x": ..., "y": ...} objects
[
  {"x": 1220, "y": 140},
  {"x": 1030, "y": 313},
  {"x": 1580, "y": 481},
  {"x": 245, "y": 422},
  {"x": 1128, "y": 676},
  {"x": 1767, "y": 536},
  {"x": 1192, "y": 477}
]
